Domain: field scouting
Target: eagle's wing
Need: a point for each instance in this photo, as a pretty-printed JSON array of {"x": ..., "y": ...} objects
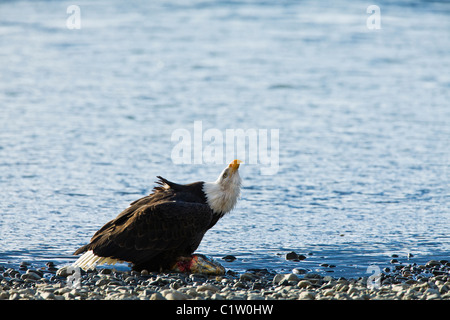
[{"x": 150, "y": 230}]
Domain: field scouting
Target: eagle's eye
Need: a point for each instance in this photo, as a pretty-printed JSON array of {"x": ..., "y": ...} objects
[{"x": 225, "y": 174}]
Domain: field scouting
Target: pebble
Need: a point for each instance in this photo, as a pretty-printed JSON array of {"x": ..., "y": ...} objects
[
  {"x": 65, "y": 271},
  {"x": 399, "y": 282},
  {"x": 291, "y": 277},
  {"x": 394, "y": 261},
  {"x": 304, "y": 284},
  {"x": 247, "y": 276},
  {"x": 277, "y": 279},
  {"x": 294, "y": 256},
  {"x": 209, "y": 287},
  {"x": 171, "y": 294},
  {"x": 229, "y": 258},
  {"x": 291, "y": 256},
  {"x": 307, "y": 295},
  {"x": 299, "y": 270},
  {"x": 433, "y": 263},
  {"x": 157, "y": 296}
]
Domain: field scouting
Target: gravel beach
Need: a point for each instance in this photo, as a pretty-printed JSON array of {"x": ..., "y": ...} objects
[{"x": 406, "y": 282}]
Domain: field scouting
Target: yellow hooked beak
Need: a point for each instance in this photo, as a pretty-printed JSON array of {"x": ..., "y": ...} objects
[{"x": 234, "y": 165}]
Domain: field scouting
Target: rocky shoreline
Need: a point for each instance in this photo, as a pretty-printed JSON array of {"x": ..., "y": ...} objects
[{"x": 406, "y": 282}]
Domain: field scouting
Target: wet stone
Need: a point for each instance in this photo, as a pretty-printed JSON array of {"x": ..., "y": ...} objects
[
  {"x": 312, "y": 276},
  {"x": 299, "y": 270},
  {"x": 105, "y": 271},
  {"x": 291, "y": 256},
  {"x": 304, "y": 284},
  {"x": 229, "y": 258},
  {"x": 277, "y": 279},
  {"x": 209, "y": 287},
  {"x": 393, "y": 261},
  {"x": 433, "y": 263},
  {"x": 408, "y": 281},
  {"x": 258, "y": 286},
  {"x": 247, "y": 276}
]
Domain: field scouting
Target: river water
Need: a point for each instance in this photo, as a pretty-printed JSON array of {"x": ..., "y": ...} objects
[{"x": 362, "y": 115}]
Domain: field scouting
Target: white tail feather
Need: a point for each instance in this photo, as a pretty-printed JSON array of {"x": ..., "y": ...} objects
[{"x": 89, "y": 261}]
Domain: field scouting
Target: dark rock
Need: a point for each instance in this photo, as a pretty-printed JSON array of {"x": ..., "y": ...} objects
[
  {"x": 247, "y": 276},
  {"x": 105, "y": 271},
  {"x": 312, "y": 276},
  {"x": 160, "y": 282},
  {"x": 135, "y": 273},
  {"x": 115, "y": 282},
  {"x": 197, "y": 278},
  {"x": 257, "y": 286},
  {"x": 232, "y": 273},
  {"x": 259, "y": 271},
  {"x": 38, "y": 272},
  {"x": 438, "y": 272},
  {"x": 292, "y": 256},
  {"x": 229, "y": 258},
  {"x": 240, "y": 284},
  {"x": 394, "y": 261},
  {"x": 299, "y": 270},
  {"x": 12, "y": 273},
  {"x": 406, "y": 273},
  {"x": 433, "y": 263}
]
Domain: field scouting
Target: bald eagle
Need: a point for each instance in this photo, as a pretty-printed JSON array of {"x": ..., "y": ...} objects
[{"x": 162, "y": 230}]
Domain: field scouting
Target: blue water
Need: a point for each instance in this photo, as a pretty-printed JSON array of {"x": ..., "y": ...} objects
[{"x": 363, "y": 116}]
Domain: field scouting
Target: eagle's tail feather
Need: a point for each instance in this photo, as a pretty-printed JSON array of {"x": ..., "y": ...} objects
[{"x": 89, "y": 261}]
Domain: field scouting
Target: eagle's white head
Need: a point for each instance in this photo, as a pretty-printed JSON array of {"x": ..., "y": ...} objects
[{"x": 223, "y": 193}]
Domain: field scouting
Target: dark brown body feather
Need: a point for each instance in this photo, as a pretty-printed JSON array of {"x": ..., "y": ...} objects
[{"x": 157, "y": 229}]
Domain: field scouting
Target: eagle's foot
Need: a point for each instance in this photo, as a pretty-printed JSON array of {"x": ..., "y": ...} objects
[{"x": 198, "y": 263}]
